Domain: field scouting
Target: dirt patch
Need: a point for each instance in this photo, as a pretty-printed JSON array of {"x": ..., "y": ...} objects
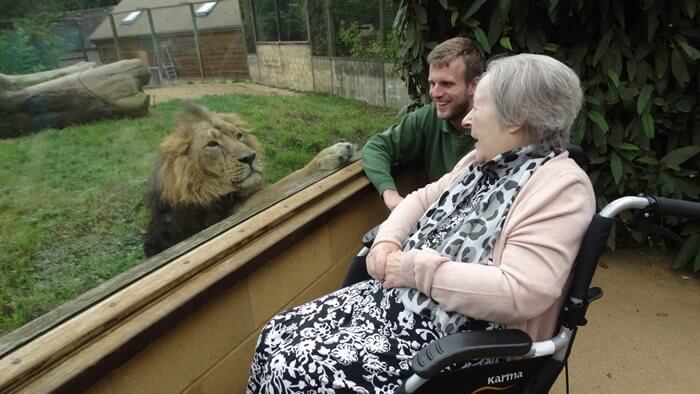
[
  {"x": 195, "y": 90},
  {"x": 642, "y": 336}
]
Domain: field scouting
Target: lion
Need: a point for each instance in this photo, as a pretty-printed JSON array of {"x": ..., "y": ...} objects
[{"x": 210, "y": 165}]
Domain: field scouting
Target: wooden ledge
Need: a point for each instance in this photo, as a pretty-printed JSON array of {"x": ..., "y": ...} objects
[
  {"x": 93, "y": 342},
  {"x": 53, "y": 318}
]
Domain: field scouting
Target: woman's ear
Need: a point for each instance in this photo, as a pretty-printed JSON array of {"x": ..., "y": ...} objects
[
  {"x": 518, "y": 127},
  {"x": 521, "y": 132}
]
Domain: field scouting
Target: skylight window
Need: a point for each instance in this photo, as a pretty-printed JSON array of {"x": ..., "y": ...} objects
[
  {"x": 131, "y": 17},
  {"x": 205, "y": 8}
]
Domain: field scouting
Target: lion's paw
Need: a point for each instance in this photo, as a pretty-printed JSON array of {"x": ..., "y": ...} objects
[{"x": 335, "y": 156}]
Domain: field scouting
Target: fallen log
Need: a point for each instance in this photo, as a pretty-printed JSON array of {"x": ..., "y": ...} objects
[{"x": 73, "y": 95}]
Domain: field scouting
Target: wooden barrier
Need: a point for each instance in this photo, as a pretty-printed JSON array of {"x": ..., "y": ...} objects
[{"x": 191, "y": 325}]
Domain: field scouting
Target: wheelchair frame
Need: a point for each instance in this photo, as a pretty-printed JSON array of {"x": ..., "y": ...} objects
[{"x": 539, "y": 363}]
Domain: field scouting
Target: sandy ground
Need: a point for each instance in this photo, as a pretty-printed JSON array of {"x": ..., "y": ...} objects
[
  {"x": 195, "y": 90},
  {"x": 643, "y": 336}
]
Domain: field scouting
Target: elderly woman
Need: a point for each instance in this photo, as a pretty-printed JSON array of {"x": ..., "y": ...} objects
[{"x": 490, "y": 245}]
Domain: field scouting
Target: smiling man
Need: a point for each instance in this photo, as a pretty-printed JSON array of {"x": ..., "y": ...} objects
[{"x": 433, "y": 133}]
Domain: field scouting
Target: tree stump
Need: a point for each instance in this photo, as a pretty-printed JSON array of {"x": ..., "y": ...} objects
[{"x": 76, "y": 94}]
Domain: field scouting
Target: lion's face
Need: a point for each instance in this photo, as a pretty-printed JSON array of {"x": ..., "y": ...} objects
[
  {"x": 207, "y": 156},
  {"x": 224, "y": 152}
]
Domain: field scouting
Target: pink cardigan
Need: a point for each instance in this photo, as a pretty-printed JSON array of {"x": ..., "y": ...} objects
[{"x": 532, "y": 256}]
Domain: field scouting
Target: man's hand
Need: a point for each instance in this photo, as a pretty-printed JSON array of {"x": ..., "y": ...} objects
[
  {"x": 376, "y": 259},
  {"x": 392, "y": 198},
  {"x": 392, "y": 271}
]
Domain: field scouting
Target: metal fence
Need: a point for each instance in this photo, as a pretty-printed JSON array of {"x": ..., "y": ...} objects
[
  {"x": 177, "y": 41},
  {"x": 339, "y": 28}
]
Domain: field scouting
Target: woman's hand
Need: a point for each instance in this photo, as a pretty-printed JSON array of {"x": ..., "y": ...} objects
[
  {"x": 392, "y": 271},
  {"x": 376, "y": 259}
]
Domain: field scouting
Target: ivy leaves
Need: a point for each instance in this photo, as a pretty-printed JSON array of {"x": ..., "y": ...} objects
[
  {"x": 643, "y": 98},
  {"x": 482, "y": 40},
  {"x": 676, "y": 157}
]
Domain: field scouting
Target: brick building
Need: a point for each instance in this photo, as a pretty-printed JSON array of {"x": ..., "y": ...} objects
[{"x": 222, "y": 44}]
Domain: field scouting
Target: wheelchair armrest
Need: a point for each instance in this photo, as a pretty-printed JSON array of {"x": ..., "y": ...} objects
[
  {"x": 463, "y": 346},
  {"x": 369, "y": 237}
]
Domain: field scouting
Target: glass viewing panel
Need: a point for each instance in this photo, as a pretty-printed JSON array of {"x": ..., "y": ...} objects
[{"x": 75, "y": 173}]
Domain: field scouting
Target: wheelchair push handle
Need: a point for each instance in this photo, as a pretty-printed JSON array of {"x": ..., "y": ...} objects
[
  {"x": 596, "y": 237},
  {"x": 653, "y": 205},
  {"x": 678, "y": 208}
]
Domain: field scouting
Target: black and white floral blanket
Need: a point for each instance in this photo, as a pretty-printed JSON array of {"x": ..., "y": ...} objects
[{"x": 359, "y": 339}]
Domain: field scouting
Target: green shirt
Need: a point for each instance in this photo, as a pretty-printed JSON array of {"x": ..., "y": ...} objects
[{"x": 421, "y": 135}]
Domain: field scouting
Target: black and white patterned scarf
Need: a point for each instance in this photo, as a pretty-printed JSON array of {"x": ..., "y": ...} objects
[{"x": 465, "y": 221}]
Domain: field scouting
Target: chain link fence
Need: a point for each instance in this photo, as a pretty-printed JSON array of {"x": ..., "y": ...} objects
[
  {"x": 360, "y": 29},
  {"x": 342, "y": 47}
]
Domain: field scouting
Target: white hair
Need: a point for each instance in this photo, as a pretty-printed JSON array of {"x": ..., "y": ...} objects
[{"x": 538, "y": 92}]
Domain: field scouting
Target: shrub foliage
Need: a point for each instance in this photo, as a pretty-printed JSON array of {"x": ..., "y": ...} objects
[
  {"x": 32, "y": 46},
  {"x": 368, "y": 44},
  {"x": 638, "y": 62}
]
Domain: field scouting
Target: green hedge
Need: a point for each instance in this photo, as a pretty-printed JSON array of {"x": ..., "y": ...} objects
[
  {"x": 32, "y": 46},
  {"x": 638, "y": 61}
]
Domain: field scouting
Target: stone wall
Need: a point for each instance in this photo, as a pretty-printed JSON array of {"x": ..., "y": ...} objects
[
  {"x": 323, "y": 74},
  {"x": 359, "y": 80},
  {"x": 254, "y": 67},
  {"x": 395, "y": 87},
  {"x": 292, "y": 66},
  {"x": 284, "y": 65},
  {"x": 374, "y": 82}
]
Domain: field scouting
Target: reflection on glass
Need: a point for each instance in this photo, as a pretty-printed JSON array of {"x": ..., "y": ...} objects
[
  {"x": 131, "y": 17},
  {"x": 205, "y": 8}
]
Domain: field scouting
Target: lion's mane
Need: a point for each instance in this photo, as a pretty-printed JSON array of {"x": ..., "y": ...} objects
[{"x": 210, "y": 162}]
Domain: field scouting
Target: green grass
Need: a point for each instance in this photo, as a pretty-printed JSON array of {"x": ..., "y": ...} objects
[{"x": 71, "y": 201}]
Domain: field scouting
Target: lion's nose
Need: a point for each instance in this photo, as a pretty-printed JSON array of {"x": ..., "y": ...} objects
[{"x": 248, "y": 159}]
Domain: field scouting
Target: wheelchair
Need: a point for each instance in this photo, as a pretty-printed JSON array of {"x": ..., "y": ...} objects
[{"x": 537, "y": 364}]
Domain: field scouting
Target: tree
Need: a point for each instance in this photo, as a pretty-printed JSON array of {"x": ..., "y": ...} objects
[
  {"x": 13, "y": 9},
  {"x": 33, "y": 45}
]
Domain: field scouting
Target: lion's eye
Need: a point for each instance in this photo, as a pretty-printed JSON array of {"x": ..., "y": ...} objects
[
  {"x": 212, "y": 143},
  {"x": 239, "y": 135}
]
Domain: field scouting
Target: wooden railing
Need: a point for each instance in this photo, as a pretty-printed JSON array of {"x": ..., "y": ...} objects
[{"x": 190, "y": 324}]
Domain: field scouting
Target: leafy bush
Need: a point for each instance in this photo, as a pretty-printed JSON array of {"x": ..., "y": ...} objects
[
  {"x": 367, "y": 44},
  {"x": 31, "y": 47},
  {"x": 640, "y": 126},
  {"x": 17, "y": 52},
  {"x": 291, "y": 21},
  {"x": 318, "y": 27}
]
